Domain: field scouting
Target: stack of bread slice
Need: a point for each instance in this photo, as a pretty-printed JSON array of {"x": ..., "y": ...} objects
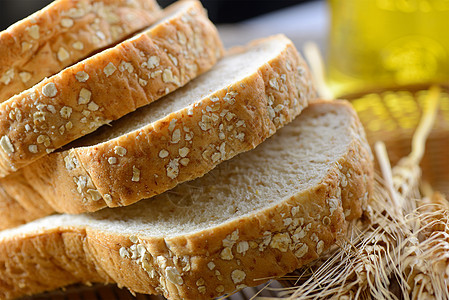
[{"x": 164, "y": 118}]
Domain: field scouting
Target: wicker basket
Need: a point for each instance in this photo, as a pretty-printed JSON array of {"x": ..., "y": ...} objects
[{"x": 392, "y": 117}]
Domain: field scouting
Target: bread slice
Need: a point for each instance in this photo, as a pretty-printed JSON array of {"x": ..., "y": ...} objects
[
  {"x": 108, "y": 85},
  {"x": 257, "y": 216},
  {"x": 62, "y": 34},
  {"x": 231, "y": 109}
]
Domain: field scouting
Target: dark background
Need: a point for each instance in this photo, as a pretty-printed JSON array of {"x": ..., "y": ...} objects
[{"x": 220, "y": 11}]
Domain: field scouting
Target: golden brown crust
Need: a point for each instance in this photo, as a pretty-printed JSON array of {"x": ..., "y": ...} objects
[
  {"x": 195, "y": 140},
  {"x": 20, "y": 202},
  {"x": 107, "y": 86},
  {"x": 62, "y": 34},
  {"x": 359, "y": 155},
  {"x": 46, "y": 261},
  {"x": 242, "y": 252}
]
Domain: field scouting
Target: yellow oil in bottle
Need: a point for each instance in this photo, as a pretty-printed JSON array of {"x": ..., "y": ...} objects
[{"x": 381, "y": 44}]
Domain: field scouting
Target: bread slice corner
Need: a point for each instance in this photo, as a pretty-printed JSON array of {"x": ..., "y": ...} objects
[{"x": 108, "y": 85}]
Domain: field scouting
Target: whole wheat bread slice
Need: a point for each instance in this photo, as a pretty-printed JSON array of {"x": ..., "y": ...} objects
[
  {"x": 104, "y": 87},
  {"x": 62, "y": 34},
  {"x": 257, "y": 216},
  {"x": 234, "y": 107}
]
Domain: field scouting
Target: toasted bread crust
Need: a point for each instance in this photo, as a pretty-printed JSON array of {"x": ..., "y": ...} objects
[
  {"x": 106, "y": 86},
  {"x": 202, "y": 265},
  {"x": 62, "y": 34},
  {"x": 20, "y": 202}
]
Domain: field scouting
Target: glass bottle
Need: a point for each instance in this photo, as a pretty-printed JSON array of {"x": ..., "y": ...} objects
[{"x": 382, "y": 44}]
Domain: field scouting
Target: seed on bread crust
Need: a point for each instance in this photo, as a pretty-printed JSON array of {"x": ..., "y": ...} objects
[
  {"x": 183, "y": 151},
  {"x": 63, "y": 54},
  {"x": 163, "y": 153},
  {"x": 173, "y": 168},
  {"x": 49, "y": 90},
  {"x": 33, "y": 31},
  {"x": 6, "y": 144},
  {"x": 84, "y": 96},
  {"x": 120, "y": 151},
  {"x": 136, "y": 174},
  {"x": 109, "y": 69},
  {"x": 25, "y": 76},
  {"x": 67, "y": 22},
  {"x": 238, "y": 276},
  {"x": 82, "y": 76},
  {"x": 78, "y": 45},
  {"x": 173, "y": 275},
  {"x": 66, "y": 112},
  {"x": 92, "y": 106}
]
